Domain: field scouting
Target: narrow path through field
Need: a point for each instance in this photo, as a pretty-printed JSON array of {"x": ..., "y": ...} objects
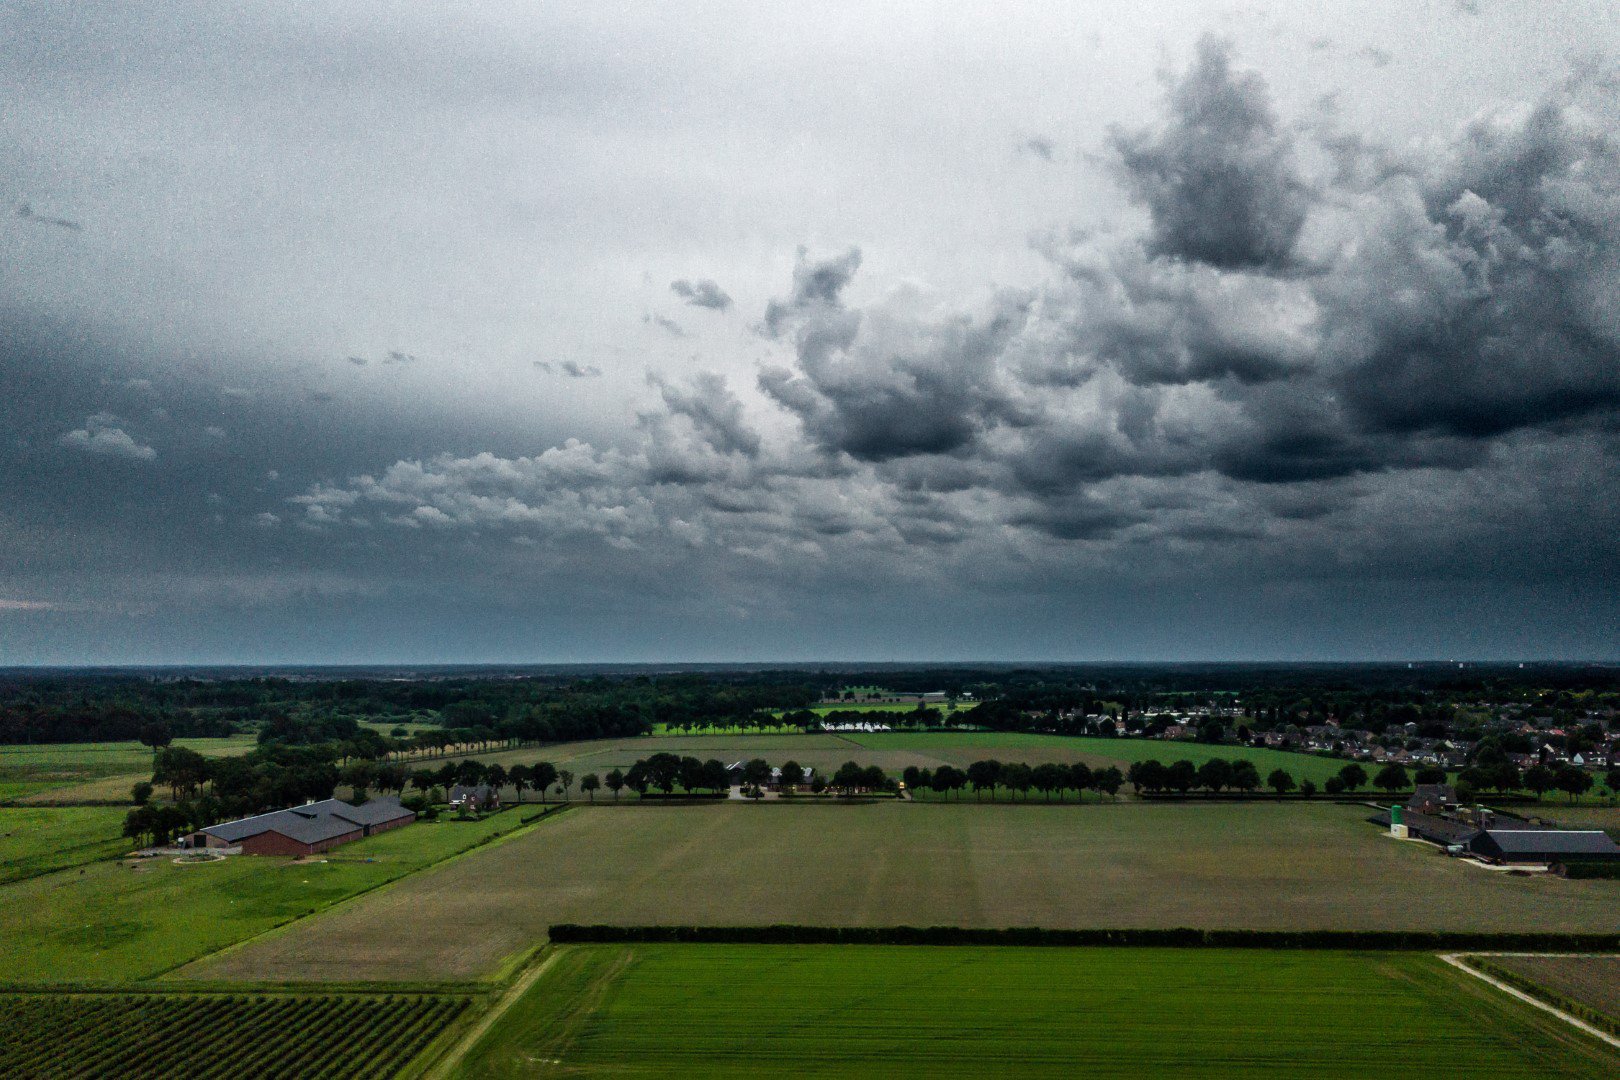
[
  {"x": 519, "y": 987},
  {"x": 1456, "y": 960}
]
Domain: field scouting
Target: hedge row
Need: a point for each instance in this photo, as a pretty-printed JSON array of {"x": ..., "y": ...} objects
[
  {"x": 1542, "y": 993},
  {"x": 552, "y": 809},
  {"x": 1425, "y": 940},
  {"x": 1609, "y": 870}
]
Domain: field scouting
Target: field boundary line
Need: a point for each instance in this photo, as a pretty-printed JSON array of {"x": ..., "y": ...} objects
[
  {"x": 493, "y": 841},
  {"x": 1458, "y": 961},
  {"x": 520, "y": 986}
]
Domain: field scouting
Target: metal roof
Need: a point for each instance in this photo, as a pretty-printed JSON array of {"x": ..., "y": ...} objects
[
  {"x": 1553, "y": 841},
  {"x": 312, "y": 822}
]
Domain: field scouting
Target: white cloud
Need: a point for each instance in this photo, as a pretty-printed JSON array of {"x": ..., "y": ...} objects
[{"x": 102, "y": 434}]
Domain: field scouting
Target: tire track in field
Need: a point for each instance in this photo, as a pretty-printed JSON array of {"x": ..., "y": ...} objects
[{"x": 520, "y": 986}]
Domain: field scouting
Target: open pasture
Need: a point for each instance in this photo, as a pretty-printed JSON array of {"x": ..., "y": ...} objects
[
  {"x": 117, "y": 920},
  {"x": 1247, "y": 866},
  {"x": 165, "y": 1036},
  {"x": 90, "y": 772},
  {"x": 939, "y": 1013},
  {"x": 37, "y": 840}
]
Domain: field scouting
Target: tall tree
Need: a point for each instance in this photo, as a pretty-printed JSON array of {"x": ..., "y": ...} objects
[{"x": 589, "y": 783}]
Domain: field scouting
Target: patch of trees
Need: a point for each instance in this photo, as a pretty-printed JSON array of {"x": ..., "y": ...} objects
[{"x": 1014, "y": 778}]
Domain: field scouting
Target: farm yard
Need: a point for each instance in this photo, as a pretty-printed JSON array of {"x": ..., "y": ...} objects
[
  {"x": 164, "y": 1036},
  {"x": 836, "y": 1011},
  {"x": 1253, "y": 866}
]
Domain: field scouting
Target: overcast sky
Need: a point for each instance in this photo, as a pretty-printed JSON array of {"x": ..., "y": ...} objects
[{"x": 750, "y": 331}]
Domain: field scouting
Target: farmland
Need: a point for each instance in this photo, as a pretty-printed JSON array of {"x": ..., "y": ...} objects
[
  {"x": 90, "y": 772},
  {"x": 36, "y": 840},
  {"x": 722, "y": 1011},
  {"x": 117, "y": 920},
  {"x": 1589, "y": 981},
  {"x": 961, "y": 748},
  {"x": 195, "y": 1035},
  {"x": 1260, "y": 866},
  {"x": 895, "y": 751}
]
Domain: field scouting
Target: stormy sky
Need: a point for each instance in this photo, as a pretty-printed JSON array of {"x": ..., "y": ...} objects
[{"x": 1073, "y": 330}]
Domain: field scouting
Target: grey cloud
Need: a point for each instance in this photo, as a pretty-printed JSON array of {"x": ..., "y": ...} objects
[
  {"x": 884, "y": 383},
  {"x": 665, "y": 323},
  {"x": 396, "y": 357},
  {"x": 1039, "y": 146},
  {"x": 575, "y": 370},
  {"x": 714, "y": 410},
  {"x": 1219, "y": 178},
  {"x": 27, "y": 213},
  {"x": 703, "y": 294},
  {"x": 102, "y": 434}
]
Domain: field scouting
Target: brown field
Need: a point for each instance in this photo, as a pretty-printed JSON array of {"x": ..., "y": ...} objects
[
  {"x": 1594, "y": 981},
  {"x": 1128, "y": 865}
]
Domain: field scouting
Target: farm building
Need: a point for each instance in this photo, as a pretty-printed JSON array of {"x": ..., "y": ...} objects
[
  {"x": 1543, "y": 846},
  {"x": 1432, "y": 798},
  {"x": 303, "y": 830},
  {"x": 475, "y": 797}
]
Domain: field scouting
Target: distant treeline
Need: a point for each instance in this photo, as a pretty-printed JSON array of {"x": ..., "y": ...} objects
[
  {"x": 1438, "y": 700},
  {"x": 1420, "y": 940}
]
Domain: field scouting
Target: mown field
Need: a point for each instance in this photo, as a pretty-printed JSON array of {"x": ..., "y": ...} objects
[
  {"x": 938, "y": 1013},
  {"x": 1244, "y": 865},
  {"x": 163, "y": 1036},
  {"x": 35, "y": 840},
  {"x": 90, "y": 772},
  {"x": 122, "y": 919},
  {"x": 1591, "y": 981}
]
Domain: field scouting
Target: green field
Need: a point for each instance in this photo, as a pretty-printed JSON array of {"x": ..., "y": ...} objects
[
  {"x": 123, "y": 919},
  {"x": 938, "y": 1013},
  {"x": 35, "y": 840},
  {"x": 165, "y": 1036},
  {"x": 90, "y": 772},
  {"x": 1240, "y": 865}
]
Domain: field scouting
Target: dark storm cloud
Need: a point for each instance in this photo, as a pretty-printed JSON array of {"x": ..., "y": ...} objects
[
  {"x": 1325, "y": 360},
  {"x": 703, "y": 294},
  {"x": 881, "y": 384},
  {"x": 1219, "y": 177}
]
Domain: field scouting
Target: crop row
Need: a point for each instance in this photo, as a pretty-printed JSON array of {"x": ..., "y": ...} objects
[{"x": 212, "y": 1036}]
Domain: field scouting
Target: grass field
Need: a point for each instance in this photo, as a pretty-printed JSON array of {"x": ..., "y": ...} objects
[
  {"x": 1591, "y": 981},
  {"x": 165, "y": 1036},
  {"x": 118, "y": 920},
  {"x": 37, "y": 840},
  {"x": 1254, "y": 865},
  {"x": 75, "y": 772},
  {"x": 961, "y": 748},
  {"x": 939, "y": 1013},
  {"x": 1576, "y": 817}
]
